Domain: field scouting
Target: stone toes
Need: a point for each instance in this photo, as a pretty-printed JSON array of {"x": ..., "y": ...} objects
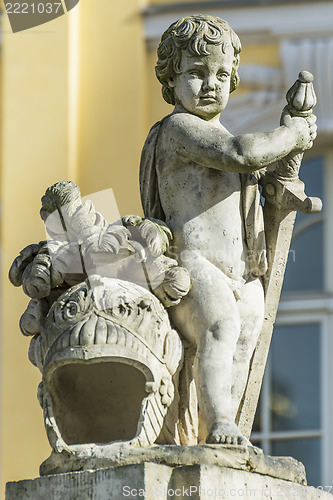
[
  {"x": 213, "y": 438},
  {"x": 218, "y": 438}
]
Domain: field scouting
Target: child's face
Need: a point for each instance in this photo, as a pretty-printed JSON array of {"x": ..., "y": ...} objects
[{"x": 203, "y": 86}]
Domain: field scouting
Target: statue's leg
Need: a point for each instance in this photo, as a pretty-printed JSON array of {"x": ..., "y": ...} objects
[
  {"x": 251, "y": 311},
  {"x": 209, "y": 317}
]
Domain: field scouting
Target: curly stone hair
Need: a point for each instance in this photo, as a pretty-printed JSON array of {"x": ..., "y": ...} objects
[{"x": 193, "y": 33}]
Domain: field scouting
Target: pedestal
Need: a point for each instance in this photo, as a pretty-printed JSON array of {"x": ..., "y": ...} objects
[{"x": 151, "y": 481}]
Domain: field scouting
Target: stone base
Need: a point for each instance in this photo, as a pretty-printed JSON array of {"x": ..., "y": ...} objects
[
  {"x": 247, "y": 458},
  {"x": 151, "y": 481}
]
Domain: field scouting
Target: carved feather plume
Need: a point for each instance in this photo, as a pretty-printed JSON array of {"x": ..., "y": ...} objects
[{"x": 155, "y": 232}]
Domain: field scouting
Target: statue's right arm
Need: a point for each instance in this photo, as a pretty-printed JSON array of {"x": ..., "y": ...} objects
[{"x": 197, "y": 140}]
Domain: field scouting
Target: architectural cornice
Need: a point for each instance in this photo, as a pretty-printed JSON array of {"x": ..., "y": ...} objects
[
  {"x": 254, "y": 22},
  {"x": 152, "y": 10}
]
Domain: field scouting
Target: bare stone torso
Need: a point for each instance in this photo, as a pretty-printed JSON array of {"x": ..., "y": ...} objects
[{"x": 203, "y": 208}]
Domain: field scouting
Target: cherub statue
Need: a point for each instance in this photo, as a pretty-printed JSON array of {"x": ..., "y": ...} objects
[
  {"x": 204, "y": 183},
  {"x": 117, "y": 374}
]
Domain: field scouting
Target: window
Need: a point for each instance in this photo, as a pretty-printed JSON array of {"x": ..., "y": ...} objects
[
  {"x": 295, "y": 408},
  {"x": 305, "y": 267},
  {"x": 289, "y": 413}
]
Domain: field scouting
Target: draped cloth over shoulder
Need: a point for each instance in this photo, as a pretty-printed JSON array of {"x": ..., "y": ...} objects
[
  {"x": 252, "y": 208},
  {"x": 254, "y": 225},
  {"x": 150, "y": 196}
]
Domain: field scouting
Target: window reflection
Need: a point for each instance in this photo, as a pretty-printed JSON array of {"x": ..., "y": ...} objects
[
  {"x": 304, "y": 270},
  {"x": 312, "y": 174},
  {"x": 305, "y": 261},
  {"x": 295, "y": 395},
  {"x": 288, "y": 419},
  {"x": 257, "y": 419}
]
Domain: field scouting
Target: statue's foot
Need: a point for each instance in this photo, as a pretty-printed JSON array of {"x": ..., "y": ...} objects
[{"x": 226, "y": 433}]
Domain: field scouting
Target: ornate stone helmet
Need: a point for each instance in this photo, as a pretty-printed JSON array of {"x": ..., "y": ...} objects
[{"x": 101, "y": 334}]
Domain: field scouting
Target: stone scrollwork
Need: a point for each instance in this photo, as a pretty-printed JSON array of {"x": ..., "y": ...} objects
[{"x": 101, "y": 335}]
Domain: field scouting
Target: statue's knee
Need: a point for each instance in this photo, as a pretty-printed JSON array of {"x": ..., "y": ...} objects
[{"x": 226, "y": 330}]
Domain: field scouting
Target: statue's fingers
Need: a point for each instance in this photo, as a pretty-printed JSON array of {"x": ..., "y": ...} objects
[
  {"x": 313, "y": 134},
  {"x": 311, "y": 119},
  {"x": 313, "y": 129}
]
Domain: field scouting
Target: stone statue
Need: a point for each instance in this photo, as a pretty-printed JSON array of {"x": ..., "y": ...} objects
[
  {"x": 101, "y": 336},
  {"x": 204, "y": 183},
  {"x": 152, "y": 333}
]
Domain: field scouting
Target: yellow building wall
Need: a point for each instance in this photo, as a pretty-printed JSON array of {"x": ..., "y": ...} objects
[
  {"x": 73, "y": 107},
  {"x": 164, "y": 2},
  {"x": 34, "y": 152},
  {"x": 79, "y": 95},
  {"x": 112, "y": 100}
]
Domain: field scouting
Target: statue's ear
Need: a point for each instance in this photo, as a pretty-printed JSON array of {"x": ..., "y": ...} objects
[
  {"x": 234, "y": 80},
  {"x": 171, "y": 82}
]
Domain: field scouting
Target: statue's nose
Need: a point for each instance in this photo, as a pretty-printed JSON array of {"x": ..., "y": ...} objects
[{"x": 209, "y": 82}]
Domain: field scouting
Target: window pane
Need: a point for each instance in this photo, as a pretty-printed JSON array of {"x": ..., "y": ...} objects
[
  {"x": 257, "y": 419},
  {"x": 295, "y": 382},
  {"x": 312, "y": 174},
  {"x": 306, "y": 451},
  {"x": 305, "y": 263}
]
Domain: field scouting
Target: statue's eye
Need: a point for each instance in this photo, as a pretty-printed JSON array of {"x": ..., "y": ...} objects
[
  {"x": 222, "y": 75},
  {"x": 195, "y": 72}
]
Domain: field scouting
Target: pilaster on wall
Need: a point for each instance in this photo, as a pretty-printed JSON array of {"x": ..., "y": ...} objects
[{"x": 34, "y": 149}]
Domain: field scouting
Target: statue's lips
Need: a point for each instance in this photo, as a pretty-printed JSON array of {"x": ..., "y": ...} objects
[{"x": 208, "y": 98}]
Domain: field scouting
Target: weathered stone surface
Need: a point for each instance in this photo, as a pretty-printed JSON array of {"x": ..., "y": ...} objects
[
  {"x": 102, "y": 338},
  {"x": 205, "y": 183},
  {"x": 245, "y": 458},
  {"x": 150, "y": 481},
  {"x": 121, "y": 368}
]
